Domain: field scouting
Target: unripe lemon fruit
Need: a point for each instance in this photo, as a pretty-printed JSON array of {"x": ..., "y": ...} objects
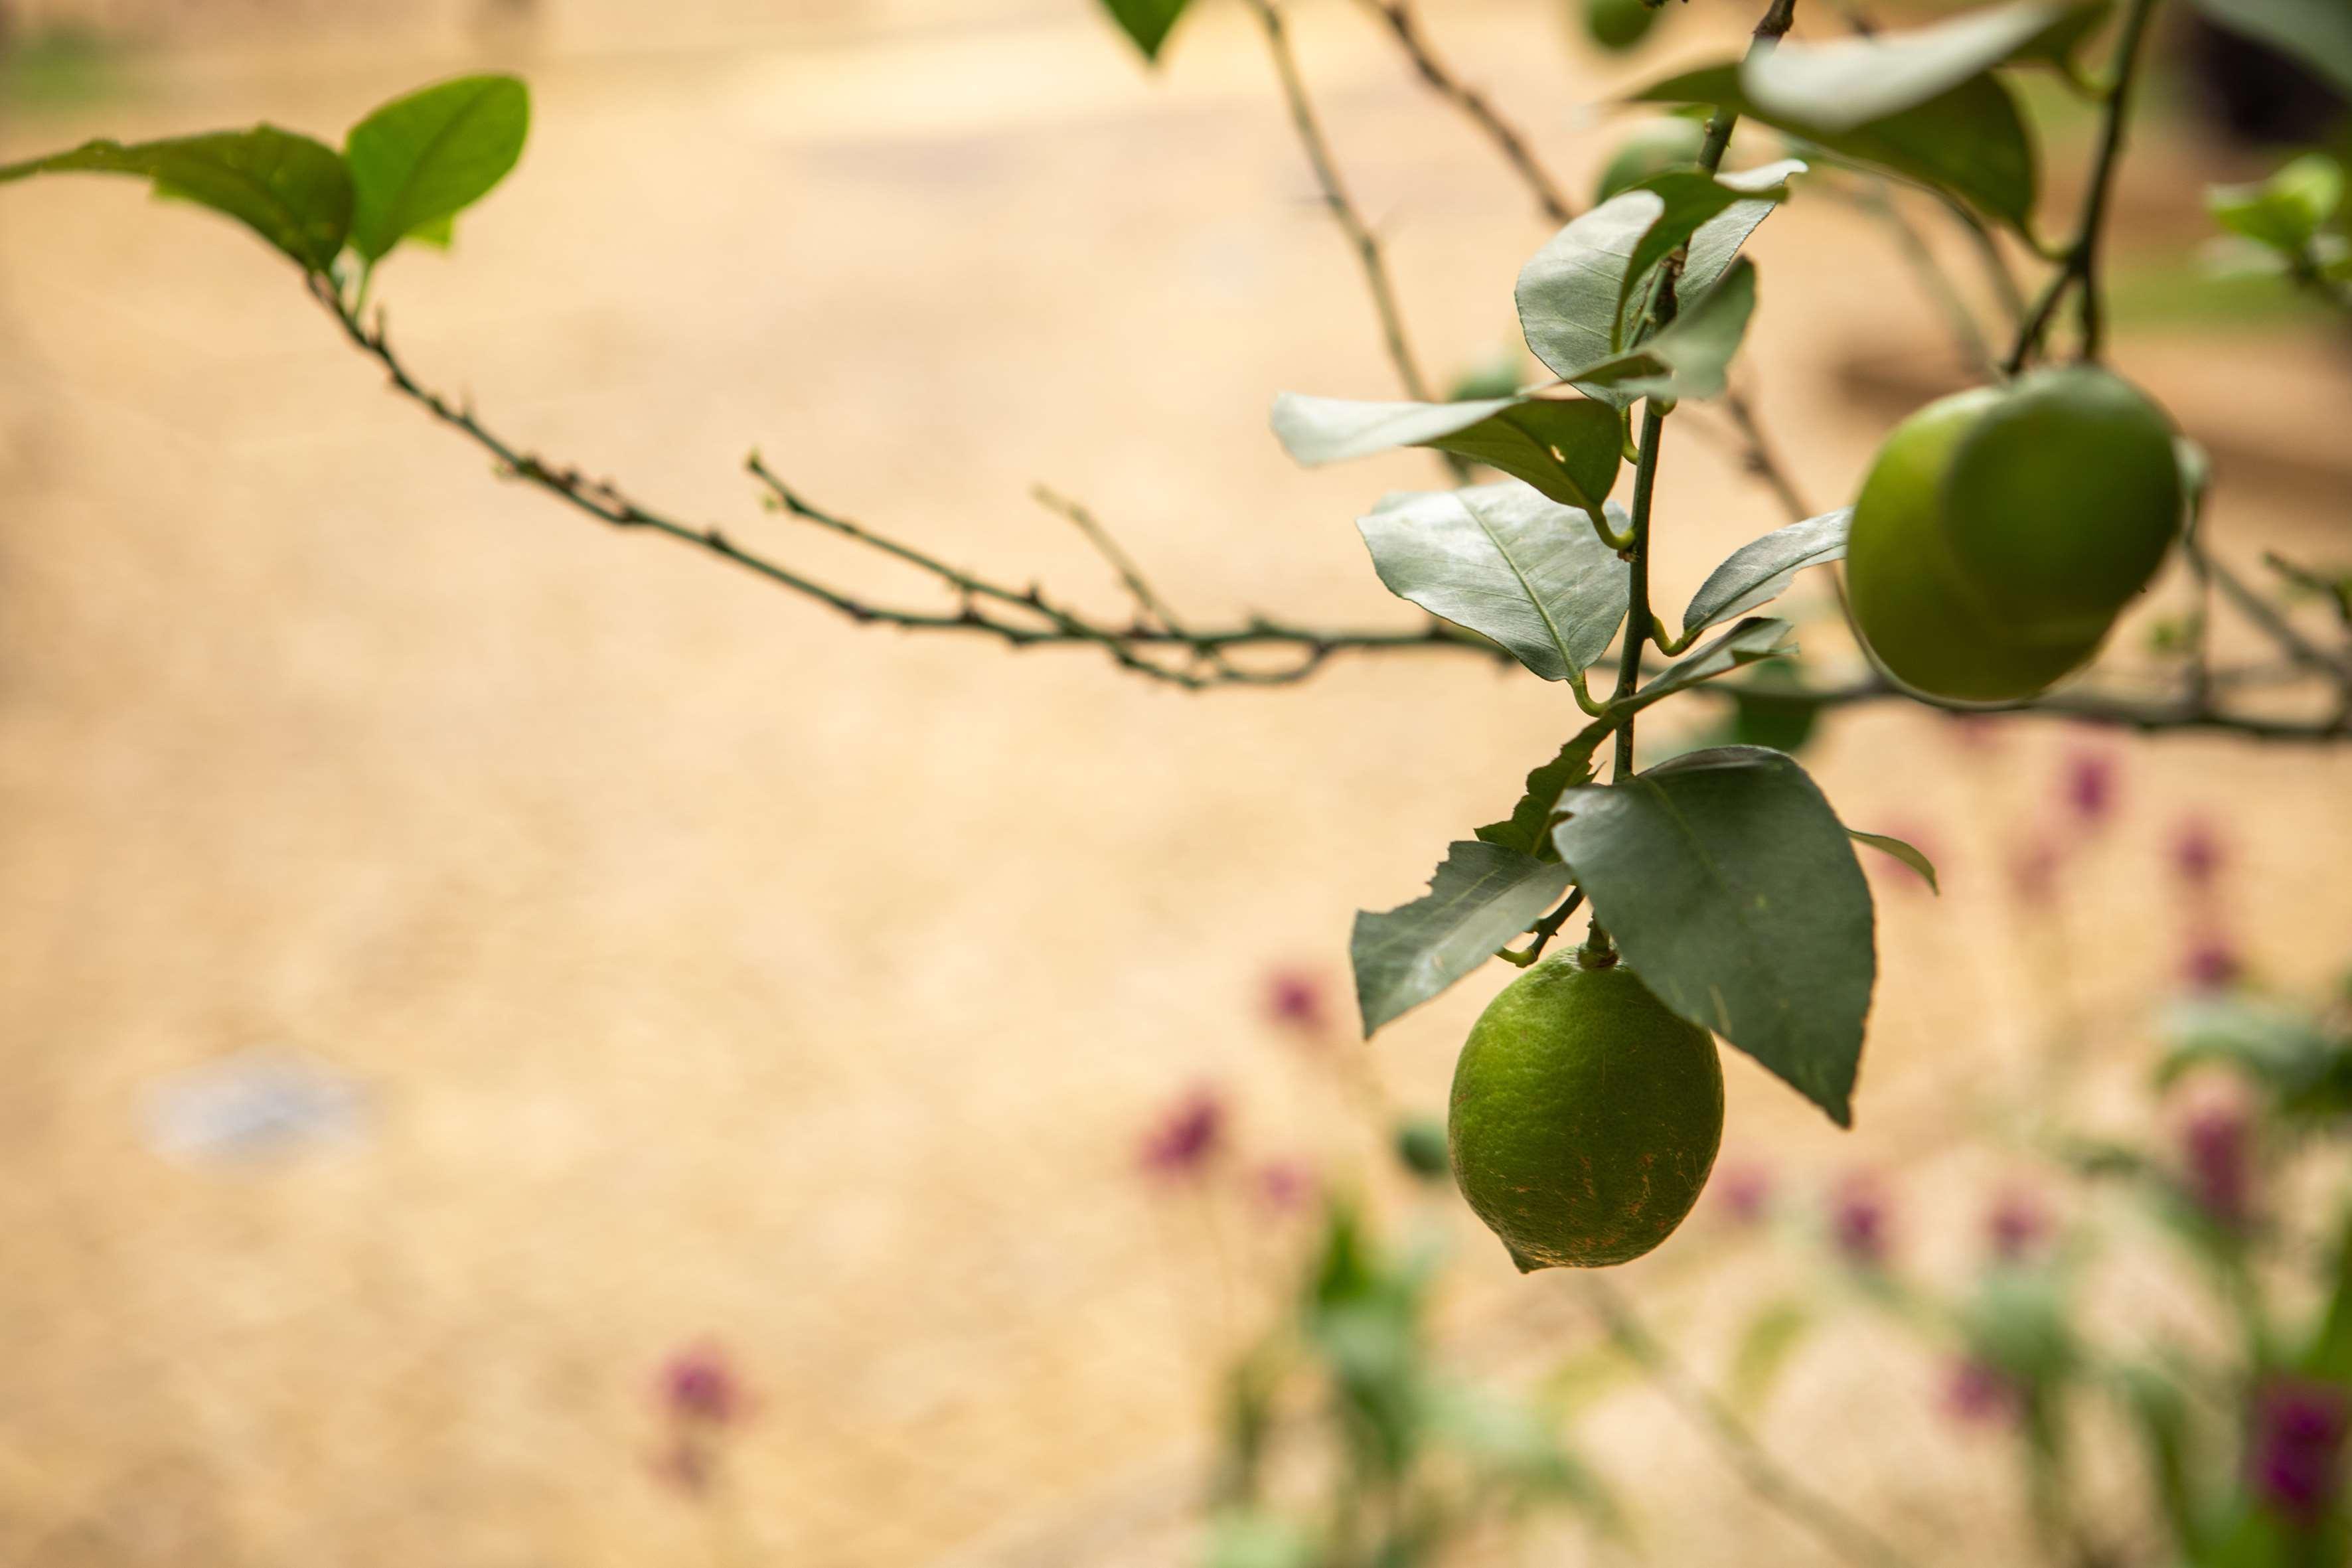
[
  {"x": 1618, "y": 24},
  {"x": 1585, "y": 1116},
  {"x": 2062, "y": 499},
  {"x": 1916, "y": 612}
]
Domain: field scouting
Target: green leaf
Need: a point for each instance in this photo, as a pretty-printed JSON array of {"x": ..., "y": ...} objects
[
  {"x": 1766, "y": 1345},
  {"x": 420, "y": 160},
  {"x": 1508, "y": 563},
  {"x": 1527, "y": 829},
  {"x": 1731, "y": 889},
  {"x": 1482, "y": 897},
  {"x": 290, "y": 190},
  {"x": 1758, "y": 638},
  {"x": 1907, "y": 853},
  {"x": 1693, "y": 198},
  {"x": 2317, "y": 32},
  {"x": 1147, "y": 22},
  {"x": 1690, "y": 357},
  {"x": 1570, "y": 449},
  {"x": 1970, "y": 142},
  {"x": 1761, "y": 570},
  {"x": 1848, "y": 82},
  {"x": 1577, "y": 296},
  {"x": 2285, "y": 211}
]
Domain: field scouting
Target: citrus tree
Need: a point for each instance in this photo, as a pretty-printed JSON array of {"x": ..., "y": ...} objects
[{"x": 1996, "y": 541}]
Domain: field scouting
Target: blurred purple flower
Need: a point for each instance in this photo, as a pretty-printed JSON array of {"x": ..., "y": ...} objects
[
  {"x": 2017, "y": 1225},
  {"x": 1298, "y": 1000},
  {"x": 1283, "y": 1184},
  {"x": 2090, "y": 787},
  {"x": 2212, "y": 963},
  {"x": 1187, "y": 1136},
  {"x": 2197, "y": 853},
  {"x": 2216, "y": 1156},
  {"x": 1745, "y": 1190},
  {"x": 1859, "y": 1219},
  {"x": 1977, "y": 733},
  {"x": 1976, "y": 1392},
  {"x": 699, "y": 1385},
  {"x": 2034, "y": 871},
  {"x": 2296, "y": 1449}
]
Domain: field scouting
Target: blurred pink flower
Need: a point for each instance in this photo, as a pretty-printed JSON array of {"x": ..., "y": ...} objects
[
  {"x": 2295, "y": 1452},
  {"x": 1285, "y": 1184},
  {"x": 1187, "y": 1136},
  {"x": 2034, "y": 871},
  {"x": 1744, "y": 1189},
  {"x": 1298, "y": 1000},
  {"x": 1976, "y": 1392},
  {"x": 2017, "y": 1225},
  {"x": 2197, "y": 853},
  {"x": 2090, "y": 787},
  {"x": 1859, "y": 1220},
  {"x": 2217, "y": 1160},
  {"x": 698, "y": 1385},
  {"x": 2212, "y": 963}
]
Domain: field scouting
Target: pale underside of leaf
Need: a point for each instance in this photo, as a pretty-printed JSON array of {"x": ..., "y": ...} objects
[
  {"x": 1506, "y": 562},
  {"x": 1845, "y": 82},
  {"x": 1762, "y": 569}
]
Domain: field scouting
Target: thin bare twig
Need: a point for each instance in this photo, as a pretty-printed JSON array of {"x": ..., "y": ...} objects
[
  {"x": 1342, "y": 207},
  {"x": 1019, "y": 617},
  {"x": 1405, "y": 27},
  {"x": 1757, "y": 1469}
]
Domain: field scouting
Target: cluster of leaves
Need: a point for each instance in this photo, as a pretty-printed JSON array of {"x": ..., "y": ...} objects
[
  {"x": 404, "y": 172},
  {"x": 1410, "y": 1460}
]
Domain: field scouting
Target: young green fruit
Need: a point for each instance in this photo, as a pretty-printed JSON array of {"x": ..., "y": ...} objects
[
  {"x": 1585, "y": 1116},
  {"x": 1918, "y": 616},
  {"x": 2062, "y": 499},
  {"x": 1651, "y": 149},
  {"x": 1619, "y": 24}
]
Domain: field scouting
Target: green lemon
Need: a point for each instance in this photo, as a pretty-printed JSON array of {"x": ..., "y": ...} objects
[
  {"x": 1619, "y": 24},
  {"x": 1914, "y": 612},
  {"x": 1651, "y": 149},
  {"x": 2062, "y": 499},
  {"x": 1585, "y": 1116}
]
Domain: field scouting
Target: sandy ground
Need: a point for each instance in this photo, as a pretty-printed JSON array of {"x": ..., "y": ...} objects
[{"x": 711, "y": 967}]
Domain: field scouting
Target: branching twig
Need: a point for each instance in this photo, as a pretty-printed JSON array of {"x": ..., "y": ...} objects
[
  {"x": 1508, "y": 139},
  {"x": 1759, "y": 1470},
  {"x": 1018, "y": 617}
]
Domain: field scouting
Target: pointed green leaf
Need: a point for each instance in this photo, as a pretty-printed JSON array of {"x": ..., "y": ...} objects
[
  {"x": 2285, "y": 211},
  {"x": 1690, "y": 357},
  {"x": 1570, "y": 449},
  {"x": 2317, "y": 32},
  {"x": 1527, "y": 829},
  {"x": 1753, "y": 639},
  {"x": 1909, "y": 854},
  {"x": 1731, "y": 889},
  {"x": 1848, "y": 82},
  {"x": 1762, "y": 569},
  {"x": 1970, "y": 142},
  {"x": 1482, "y": 897},
  {"x": 419, "y": 161},
  {"x": 1579, "y": 298},
  {"x": 1508, "y": 563},
  {"x": 1692, "y": 199},
  {"x": 287, "y": 188},
  {"x": 1147, "y": 22}
]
